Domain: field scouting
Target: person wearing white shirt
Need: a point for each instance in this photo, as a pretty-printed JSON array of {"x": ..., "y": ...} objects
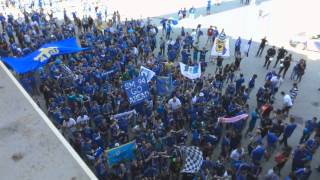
[
  {"x": 193, "y": 34},
  {"x": 69, "y": 123},
  {"x": 174, "y": 103},
  {"x": 83, "y": 119},
  {"x": 237, "y": 154},
  {"x": 287, "y": 103},
  {"x": 275, "y": 82},
  {"x": 69, "y": 126}
]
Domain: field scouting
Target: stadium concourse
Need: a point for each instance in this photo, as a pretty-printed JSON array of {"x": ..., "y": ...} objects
[{"x": 183, "y": 95}]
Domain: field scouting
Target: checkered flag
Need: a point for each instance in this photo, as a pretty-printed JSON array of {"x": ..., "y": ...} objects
[{"x": 193, "y": 159}]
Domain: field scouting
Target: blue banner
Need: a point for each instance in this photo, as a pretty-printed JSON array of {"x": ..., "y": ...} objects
[
  {"x": 121, "y": 153},
  {"x": 137, "y": 90},
  {"x": 41, "y": 56},
  {"x": 164, "y": 85}
]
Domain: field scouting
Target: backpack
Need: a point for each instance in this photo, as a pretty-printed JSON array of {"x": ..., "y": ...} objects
[{"x": 279, "y": 158}]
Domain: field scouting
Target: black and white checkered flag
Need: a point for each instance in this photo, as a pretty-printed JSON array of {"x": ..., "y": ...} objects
[{"x": 193, "y": 159}]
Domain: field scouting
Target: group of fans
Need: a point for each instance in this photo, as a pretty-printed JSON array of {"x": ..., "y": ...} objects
[{"x": 82, "y": 93}]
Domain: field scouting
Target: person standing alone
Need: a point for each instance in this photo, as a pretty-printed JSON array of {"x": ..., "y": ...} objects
[{"x": 261, "y": 47}]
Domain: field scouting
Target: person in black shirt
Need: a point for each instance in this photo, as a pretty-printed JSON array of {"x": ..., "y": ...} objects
[
  {"x": 237, "y": 61},
  {"x": 270, "y": 54},
  {"x": 261, "y": 47},
  {"x": 281, "y": 54},
  {"x": 284, "y": 66},
  {"x": 219, "y": 63}
]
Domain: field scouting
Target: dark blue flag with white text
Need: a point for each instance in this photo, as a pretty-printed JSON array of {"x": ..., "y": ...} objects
[{"x": 137, "y": 90}]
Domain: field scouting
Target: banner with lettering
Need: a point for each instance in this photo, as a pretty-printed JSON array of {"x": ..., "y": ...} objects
[
  {"x": 41, "y": 56},
  {"x": 137, "y": 90}
]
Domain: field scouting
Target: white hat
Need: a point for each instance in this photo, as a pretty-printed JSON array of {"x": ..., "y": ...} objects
[{"x": 201, "y": 94}]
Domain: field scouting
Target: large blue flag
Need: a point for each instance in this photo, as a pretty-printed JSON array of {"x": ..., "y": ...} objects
[
  {"x": 41, "y": 56},
  {"x": 164, "y": 85},
  {"x": 121, "y": 153}
]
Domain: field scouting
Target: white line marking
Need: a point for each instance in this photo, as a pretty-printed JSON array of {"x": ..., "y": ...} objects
[{"x": 75, "y": 155}]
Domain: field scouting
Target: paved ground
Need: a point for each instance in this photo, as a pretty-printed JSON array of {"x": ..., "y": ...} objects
[{"x": 29, "y": 149}]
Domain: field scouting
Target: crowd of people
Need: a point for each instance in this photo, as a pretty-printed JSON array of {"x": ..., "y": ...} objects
[{"x": 83, "y": 91}]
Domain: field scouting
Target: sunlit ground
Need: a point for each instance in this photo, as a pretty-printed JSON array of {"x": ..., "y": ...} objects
[{"x": 280, "y": 21}]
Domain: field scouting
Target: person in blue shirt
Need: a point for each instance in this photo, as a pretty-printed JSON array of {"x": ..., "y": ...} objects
[
  {"x": 257, "y": 153},
  {"x": 310, "y": 127},
  {"x": 253, "y": 120},
  {"x": 237, "y": 45},
  {"x": 299, "y": 157},
  {"x": 239, "y": 83},
  {"x": 183, "y": 33},
  {"x": 184, "y": 56},
  {"x": 192, "y": 12},
  {"x": 252, "y": 82},
  {"x": 203, "y": 53},
  {"x": 288, "y": 130},
  {"x": 303, "y": 173},
  {"x": 195, "y": 137},
  {"x": 208, "y": 7},
  {"x": 195, "y": 53},
  {"x": 2, "y": 19},
  {"x": 172, "y": 55},
  {"x": 168, "y": 29},
  {"x": 272, "y": 139}
]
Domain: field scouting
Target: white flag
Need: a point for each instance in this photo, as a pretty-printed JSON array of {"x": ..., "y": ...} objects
[
  {"x": 191, "y": 72},
  {"x": 221, "y": 46},
  {"x": 147, "y": 73}
]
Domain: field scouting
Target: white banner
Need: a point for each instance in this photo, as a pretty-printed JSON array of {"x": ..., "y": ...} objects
[
  {"x": 191, "y": 72},
  {"x": 120, "y": 115},
  {"x": 147, "y": 73},
  {"x": 221, "y": 48}
]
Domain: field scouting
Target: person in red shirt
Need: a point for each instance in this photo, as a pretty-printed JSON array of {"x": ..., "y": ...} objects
[{"x": 209, "y": 34}]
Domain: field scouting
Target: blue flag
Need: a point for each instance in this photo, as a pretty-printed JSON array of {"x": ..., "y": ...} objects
[
  {"x": 164, "y": 85},
  {"x": 137, "y": 90},
  {"x": 121, "y": 153},
  {"x": 41, "y": 56}
]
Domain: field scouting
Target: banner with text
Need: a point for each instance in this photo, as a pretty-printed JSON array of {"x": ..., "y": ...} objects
[{"x": 137, "y": 90}]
